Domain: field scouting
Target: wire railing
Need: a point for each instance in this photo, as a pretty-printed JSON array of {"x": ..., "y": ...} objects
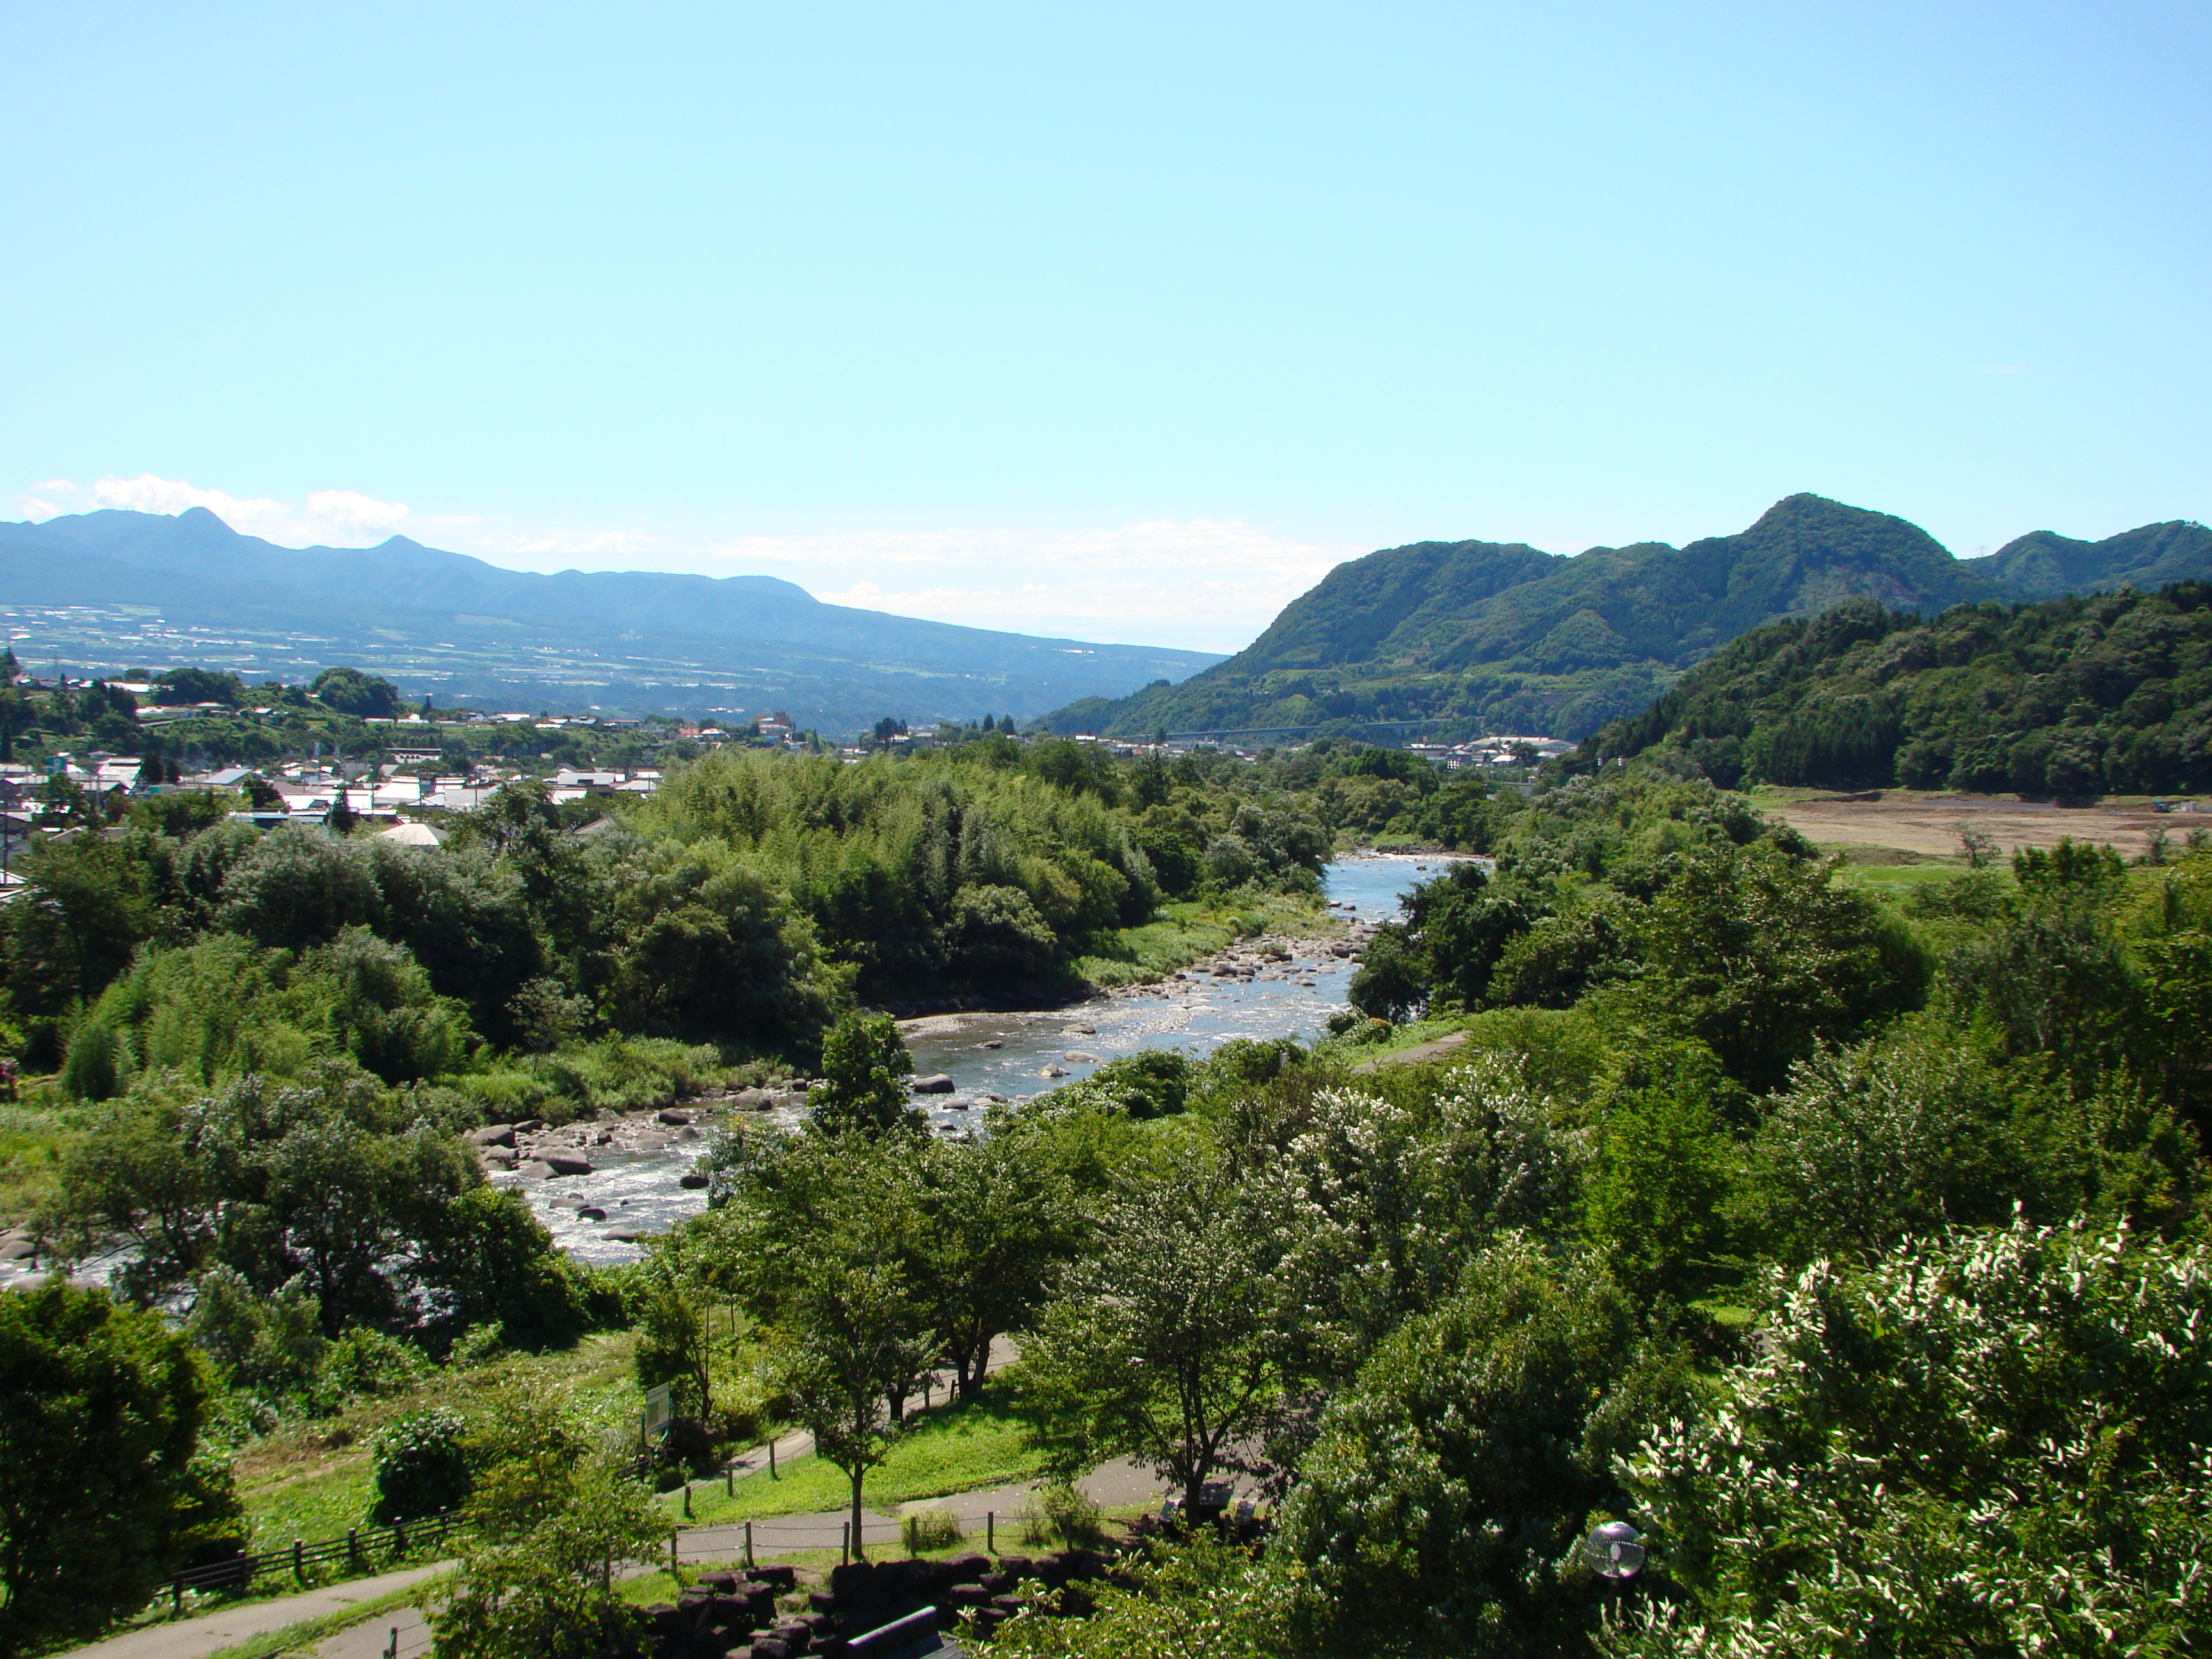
[{"x": 361, "y": 1548}]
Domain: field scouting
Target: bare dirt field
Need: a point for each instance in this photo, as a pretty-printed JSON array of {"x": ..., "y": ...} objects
[{"x": 1910, "y": 822}]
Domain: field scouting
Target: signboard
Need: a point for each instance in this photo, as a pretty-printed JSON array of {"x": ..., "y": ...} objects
[{"x": 659, "y": 1412}]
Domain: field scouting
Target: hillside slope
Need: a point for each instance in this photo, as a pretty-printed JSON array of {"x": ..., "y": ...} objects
[
  {"x": 445, "y": 622},
  {"x": 1461, "y": 636},
  {"x": 2109, "y": 694}
]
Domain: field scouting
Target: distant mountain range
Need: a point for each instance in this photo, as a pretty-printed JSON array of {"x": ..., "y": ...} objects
[
  {"x": 1459, "y": 638},
  {"x": 150, "y": 590}
]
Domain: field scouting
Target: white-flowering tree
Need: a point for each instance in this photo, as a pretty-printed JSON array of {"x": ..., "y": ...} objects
[{"x": 1993, "y": 1441}]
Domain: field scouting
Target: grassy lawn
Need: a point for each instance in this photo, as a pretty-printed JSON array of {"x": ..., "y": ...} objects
[
  {"x": 952, "y": 1448},
  {"x": 1899, "y": 878}
]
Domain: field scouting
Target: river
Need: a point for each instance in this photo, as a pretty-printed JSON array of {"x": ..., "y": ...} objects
[{"x": 1015, "y": 1056}]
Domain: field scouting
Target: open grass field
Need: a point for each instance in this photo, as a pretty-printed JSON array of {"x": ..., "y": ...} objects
[{"x": 1928, "y": 822}]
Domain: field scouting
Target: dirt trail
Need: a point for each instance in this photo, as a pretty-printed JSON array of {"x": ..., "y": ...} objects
[{"x": 1909, "y": 822}]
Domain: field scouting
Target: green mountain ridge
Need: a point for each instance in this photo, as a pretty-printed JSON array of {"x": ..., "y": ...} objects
[
  {"x": 1452, "y": 638},
  {"x": 2071, "y": 696}
]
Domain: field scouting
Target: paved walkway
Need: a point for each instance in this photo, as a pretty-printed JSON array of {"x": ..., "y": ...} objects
[
  {"x": 1419, "y": 1054},
  {"x": 403, "y": 1630},
  {"x": 195, "y": 1638}
]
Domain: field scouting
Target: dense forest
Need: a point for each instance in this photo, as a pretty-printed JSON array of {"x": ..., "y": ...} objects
[
  {"x": 2107, "y": 693},
  {"x": 1848, "y": 1247},
  {"x": 1459, "y": 639}
]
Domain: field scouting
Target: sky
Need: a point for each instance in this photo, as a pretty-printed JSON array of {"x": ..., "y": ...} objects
[{"x": 1120, "y": 322}]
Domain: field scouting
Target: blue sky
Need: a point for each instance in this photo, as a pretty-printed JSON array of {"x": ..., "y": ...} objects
[{"x": 1123, "y": 321}]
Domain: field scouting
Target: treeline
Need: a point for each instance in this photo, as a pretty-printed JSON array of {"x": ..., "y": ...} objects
[
  {"x": 231, "y": 723},
  {"x": 2081, "y": 696},
  {"x": 743, "y": 905}
]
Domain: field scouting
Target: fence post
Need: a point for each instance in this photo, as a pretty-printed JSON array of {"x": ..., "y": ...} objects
[
  {"x": 845, "y": 1541},
  {"x": 398, "y": 1539},
  {"x": 990, "y": 1532},
  {"x": 771, "y": 1458},
  {"x": 353, "y": 1546},
  {"x": 687, "y": 1500},
  {"x": 176, "y": 1598},
  {"x": 749, "y": 1544},
  {"x": 674, "y": 1534},
  {"x": 392, "y": 1651},
  {"x": 300, "y": 1559}
]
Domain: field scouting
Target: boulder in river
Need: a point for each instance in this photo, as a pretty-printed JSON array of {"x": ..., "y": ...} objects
[
  {"x": 494, "y": 1135},
  {"x": 753, "y": 1100},
  {"x": 1077, "y": 1057},
  {"x": 937, "y": 1083},
  {"x": 675, "y": 1117},
  {"x": 561, "y": 1164},
  {"x": 537, "y": 1170},
  {"x": 693, "y": 1181},
  {"x": 1051, "y": 1071}
]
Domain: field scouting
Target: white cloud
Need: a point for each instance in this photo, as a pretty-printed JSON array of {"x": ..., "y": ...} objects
[
  {"x": 148, "y": 494},
  {"x": 343, "y": 515},
  {"x": 352, "y": 508}
]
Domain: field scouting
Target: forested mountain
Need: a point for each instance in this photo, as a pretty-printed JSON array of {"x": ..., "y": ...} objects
[
  {"x": 1465, "y": 636},
  {"x": 2070, "y": 697},
  {"x": 453, "y": 625}
]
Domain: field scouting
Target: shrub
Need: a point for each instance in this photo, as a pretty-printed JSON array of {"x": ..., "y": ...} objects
[
  {"x": 930, "y": 1529},
  {"x": 366, "y": 1363},
  {"x": 421, "y": 1466}
]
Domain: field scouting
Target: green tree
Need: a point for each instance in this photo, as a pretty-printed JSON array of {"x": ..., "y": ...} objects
[
  {"x": 1437, "y": 1511},
  {"x": 100, "y": 1411},
  {"x": 672, "y": 1311},
  {"x": 1654, "y": 1197},
  {"x": 998, "y": 1218},
  {"x": 1167, "y": 1342},
  {"x": 366, "y": 696},
  {"x": 1871, "y": 1144},
  {"x": 537, "y": 1581},
  {"x": 853, "y": 1339},
  {"x": 181, "y": 687},
  {"x": 1986, "y": 1442},
  {"x": 269, "y": 1343},
  {"x": 1757, "y": 954},
  {"x": 865, "y": 1066},
  {"x": 88, "y": 903}
]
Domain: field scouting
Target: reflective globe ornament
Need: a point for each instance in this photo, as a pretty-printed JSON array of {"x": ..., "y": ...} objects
[{"x": 1615, "y": 1550}]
